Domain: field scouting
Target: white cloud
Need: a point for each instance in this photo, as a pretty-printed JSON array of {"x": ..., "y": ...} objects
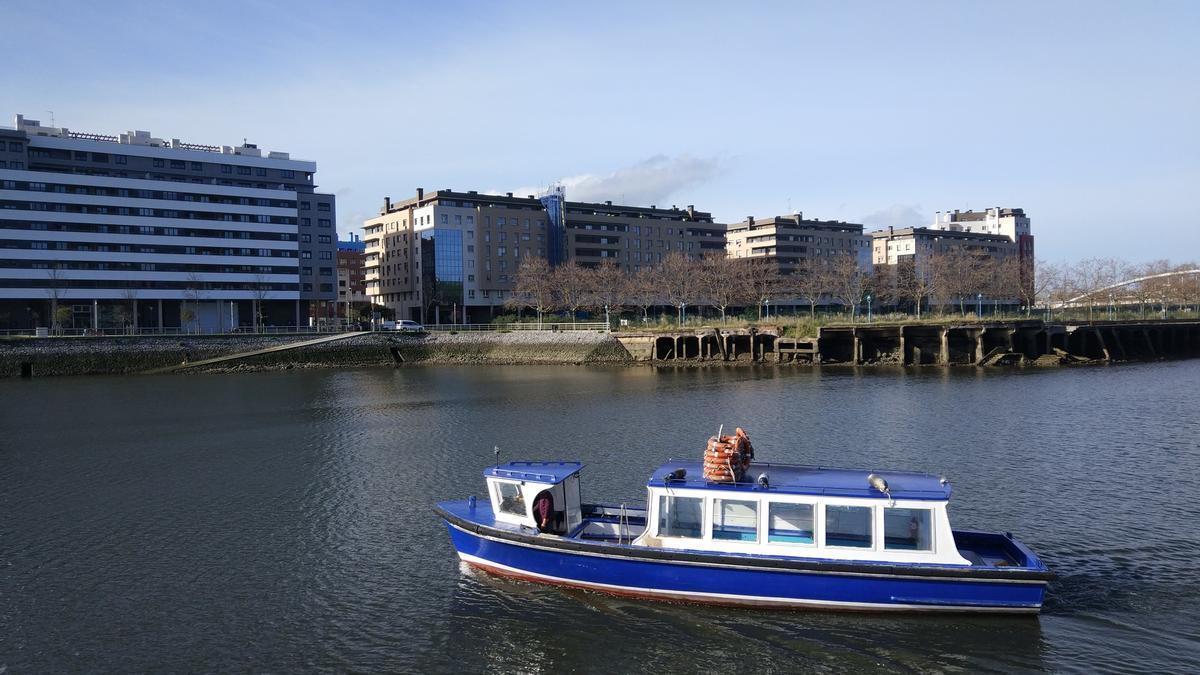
[
  {"x": 898, "y": 215},
  {"x": 651, "y": 181}
]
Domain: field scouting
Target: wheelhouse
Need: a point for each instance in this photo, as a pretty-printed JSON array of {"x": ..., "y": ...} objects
[
  {"x": 807, "y": 512},
  {"x": 514, "y": 486}
]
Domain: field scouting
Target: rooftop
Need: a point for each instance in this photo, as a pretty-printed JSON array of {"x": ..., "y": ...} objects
[
  {"x": 810, "y": 480},
  {"x": 538, "y": 472},
  {"x": 689, "y": 213},
  {"x": 35, "y": 128},
  {"x": 934, "y": 232}
]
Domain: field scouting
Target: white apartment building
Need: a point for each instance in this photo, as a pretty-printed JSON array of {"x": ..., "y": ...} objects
[{"x": 137, "y": 231}]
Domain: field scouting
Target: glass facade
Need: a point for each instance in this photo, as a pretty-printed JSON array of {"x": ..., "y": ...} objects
[{"x": 442, "y": 267}]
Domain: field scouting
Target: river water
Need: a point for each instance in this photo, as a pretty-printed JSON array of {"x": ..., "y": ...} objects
[{"x": 282, "y": 521}]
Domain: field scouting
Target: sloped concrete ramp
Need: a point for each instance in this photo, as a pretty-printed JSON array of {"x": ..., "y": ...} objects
[{"x": 257, "y": 352}]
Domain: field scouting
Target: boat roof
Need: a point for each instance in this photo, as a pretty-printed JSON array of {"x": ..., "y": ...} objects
[
  {"x": 538, "y": 472},
  {"x": 809, "y": 480}
]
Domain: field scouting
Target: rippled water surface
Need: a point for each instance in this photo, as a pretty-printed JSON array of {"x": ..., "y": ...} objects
[{"x": 281, "y": 521}]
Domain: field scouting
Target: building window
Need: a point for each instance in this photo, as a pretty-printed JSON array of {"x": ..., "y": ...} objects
[
  {"x": 324, "y": 239},
  {"x": 323, "y": 222},
  {"x": 287, "y": 173},
  {"x": 326, "y": 255},
  {"x": 178, "y": 164},
  {"x": 225, "y": 168},
  {"x": 306, "y": 222},
  {"x": 305, "y": 238},
  {"x": 260, "y": 172},
  {"x": 323, "y": 206},
  {"x": 306, "y": 255},
  {"x": 158, "y": 163},
  {"x": 243, "y": 171}
]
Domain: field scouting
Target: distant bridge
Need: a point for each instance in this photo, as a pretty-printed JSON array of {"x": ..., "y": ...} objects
[{"x": 1121, "y": 284}]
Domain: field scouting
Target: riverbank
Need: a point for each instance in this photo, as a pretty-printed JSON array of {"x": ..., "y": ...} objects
[
  {"x": 1014, "y": 343},
  {"x": 42, "y": 357}
]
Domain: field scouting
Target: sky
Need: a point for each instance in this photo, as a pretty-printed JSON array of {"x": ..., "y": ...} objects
[{"x": 1085, "y": 114}]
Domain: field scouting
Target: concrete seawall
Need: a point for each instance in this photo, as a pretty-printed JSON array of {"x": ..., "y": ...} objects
[
  {"x": 112, "y": 355},
  {"x": 996, "y": 343}
]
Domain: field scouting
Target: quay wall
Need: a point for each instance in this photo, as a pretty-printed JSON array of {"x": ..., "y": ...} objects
[
  {"x": 1011, "y": 343},
  {"x": 1030, "y": 342},
  {"x": 40, "y": 357}
]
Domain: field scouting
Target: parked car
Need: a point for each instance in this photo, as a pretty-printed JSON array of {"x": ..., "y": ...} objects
[{"x": 406, "y": 326}]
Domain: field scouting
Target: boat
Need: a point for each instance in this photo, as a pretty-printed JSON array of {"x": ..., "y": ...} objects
[{"x": 758, "y": 534}]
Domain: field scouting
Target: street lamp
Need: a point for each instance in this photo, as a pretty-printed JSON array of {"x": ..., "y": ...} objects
[
  {"x": 682, "y": 313},
  {"x": 767, "y": 305},
  {"x": 979, "y": 306},
  {"x": 607, "y": 319},
  {"x": 869, "y": 316}
]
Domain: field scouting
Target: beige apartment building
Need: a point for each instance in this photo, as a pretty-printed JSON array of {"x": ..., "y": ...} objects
[
  {"x": 791, "y": 241},
  {"x": 1005, "y": 222},
  {"x": 452, "y": 257},
  {"x": 916, "y": 244}
]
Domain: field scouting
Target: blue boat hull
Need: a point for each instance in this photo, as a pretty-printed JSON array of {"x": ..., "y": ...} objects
[{"x": 738, "y": 582}]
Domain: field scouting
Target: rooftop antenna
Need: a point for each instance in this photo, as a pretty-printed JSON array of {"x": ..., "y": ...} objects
[{"x": 51, "y": 117}]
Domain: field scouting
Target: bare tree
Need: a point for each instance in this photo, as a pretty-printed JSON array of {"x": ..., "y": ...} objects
[
  {"x": 959, "y": 275},
  {"x": 679, "y": 279},
  {"x": 534, "y": 286},
  {"x": 644, "y": 290},
  {"x": 259, "y": 292},
  {"x": 723, "y": 281},
  {"x": 763, "y": 282},
  {"x": 917, "y": 280},
  {"x": 608, "y": 288},
  {"x": 885, "y": 284},
  {"x": 847, "y": 281},
  {"x": 130, "y": 295},
  {"x": 809, "y": 283},
  {"x": 1045, "y": 277},
  {"x": 1002, "y": 281},
  {"x": 572, "y": 283},
  {"x": 56, "y": 287}
]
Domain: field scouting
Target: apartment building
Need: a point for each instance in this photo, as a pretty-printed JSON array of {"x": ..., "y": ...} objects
[
  {"x": 450, "y": 256},
  {"x": 132, "y": 229},
  {"x": 351, "y": 276},
  {"x": 1006, "y": 222},
  {"x": 916, "y": 244},
  {"x": 792, "y": 241}
]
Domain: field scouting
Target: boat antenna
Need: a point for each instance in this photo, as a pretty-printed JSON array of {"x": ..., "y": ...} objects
[
  {"x": 719, "y": 430},
  {"x": 496, "y": 451}
]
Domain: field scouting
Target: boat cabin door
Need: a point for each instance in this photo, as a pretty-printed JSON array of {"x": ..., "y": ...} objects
[{"x": 574, "y": 511}]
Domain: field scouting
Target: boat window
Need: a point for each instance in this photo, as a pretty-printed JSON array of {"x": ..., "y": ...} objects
[
  {"x": 908, "y": 529},
  {"x": 848, "y": 526},
  {"x": 680, "y": 516},
  {"x": 790, "y": 523},
  {"x": 510, "y": 499},
  {"x": 735, "y": 520}
]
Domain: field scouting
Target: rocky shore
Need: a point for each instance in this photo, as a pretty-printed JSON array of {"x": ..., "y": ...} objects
[{"x": 41, "y": 357}]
